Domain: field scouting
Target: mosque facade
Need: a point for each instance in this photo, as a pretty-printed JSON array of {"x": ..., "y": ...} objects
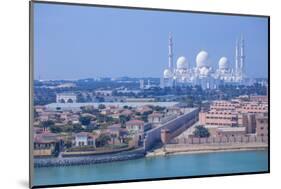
[{"x": 203, "y": 73}]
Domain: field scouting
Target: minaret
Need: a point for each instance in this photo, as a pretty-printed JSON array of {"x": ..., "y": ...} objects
[
  {"x": 242, "y": 57},
  {"x": 170, "y": 55},
  {"x": 237, "y": 60}
]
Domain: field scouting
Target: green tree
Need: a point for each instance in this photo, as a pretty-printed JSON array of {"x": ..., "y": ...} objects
[
  {"x": 103, "y": 140},
  {"x": 159, "y": 108},
  {"x": 201, "y": 132},
  {"x": 47, "y": 124},
  {"x": 68, "y": 144},
  {"x": 145, "y": 114},
  {"x": 87, "y": 109},
  {"x": 77, "y": 128},
  {"x": 85, "y": 120},
  {"x": 123, "y": 119},
  {"x": 101, "y": 106},
  {"x": 55, "y": 129},
  {"x": 68, "y": 128},
  {"x": 189, "y": 101}
]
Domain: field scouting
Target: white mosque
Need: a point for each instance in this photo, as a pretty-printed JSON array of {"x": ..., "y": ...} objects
[{"x": 203, "y": 74}]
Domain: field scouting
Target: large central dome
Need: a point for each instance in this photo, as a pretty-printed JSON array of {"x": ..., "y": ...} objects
[
  {"x": 201, "y": 59},
  {"x": 181, "y": 63}
]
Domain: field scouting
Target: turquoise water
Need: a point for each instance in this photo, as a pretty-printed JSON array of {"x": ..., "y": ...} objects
[{"x": 156, "y": 167}]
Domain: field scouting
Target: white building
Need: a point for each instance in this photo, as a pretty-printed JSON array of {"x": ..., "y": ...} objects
[
  {"x": 83, "y": 139},
  {"x": 66, "y": 98},
  {"x": 203, "y": 73}
]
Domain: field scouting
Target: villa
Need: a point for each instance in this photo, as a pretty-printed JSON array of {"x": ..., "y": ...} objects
[
  {"x": 45, "y": 144},
  {"x": 137, "y": 127},
  {"x": 155, "y": 118},
  {"x": 84, "y": 139}
]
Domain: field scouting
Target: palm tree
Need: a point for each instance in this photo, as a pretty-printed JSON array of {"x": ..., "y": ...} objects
[{"x": 113, "y": 136}]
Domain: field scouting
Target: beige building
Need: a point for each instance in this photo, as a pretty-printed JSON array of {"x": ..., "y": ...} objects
[
  {"x": 155, "y": 118},
  {"x": 235, "y": 112},
  {"x": 262, "y": 125},
  {"x": 231, "y": 131},
  {"x": 249, "y": 121},
  {"x": 220, "y": 118},
  {"x": 44, "y": 144},
  {"x": 219, "y": 131}
]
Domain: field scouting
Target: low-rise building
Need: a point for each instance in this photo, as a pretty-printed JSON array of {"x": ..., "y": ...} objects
[
  {"x": 115, "y": 130},
  {"x": 248, "y": 120},
  {"x": 262, "y": 125},
  {"x": 143, "y": 109},
  {"x": 84, "y": 139},
  {"x": 42, "y": 148},
  {"x": 103, "y": 92},
  {"x": 259, "y": 98},
  {"x": 155, "y": 118},
  {"x": 174, "y": 110},
  {"x": 137, "y": 127},
  {"x": 222, "y": 131},
  {"x": 117, "y": 133},
  {"x": 231, "y": 131},
  {"x": 221, "y": 118},
  {"x": 45, "y": 144},
  {"x": 237, "y": 112},
  {"x": 66, "y": 98}
]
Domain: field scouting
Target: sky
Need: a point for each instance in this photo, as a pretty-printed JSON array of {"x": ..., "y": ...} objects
[{"x": 75, "y": 42}]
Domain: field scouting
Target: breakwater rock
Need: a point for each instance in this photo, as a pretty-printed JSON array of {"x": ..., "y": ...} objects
[{"x": 85, "y": 160}]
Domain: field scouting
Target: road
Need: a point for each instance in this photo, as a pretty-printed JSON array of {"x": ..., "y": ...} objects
[{"x": 187, "y": 132}]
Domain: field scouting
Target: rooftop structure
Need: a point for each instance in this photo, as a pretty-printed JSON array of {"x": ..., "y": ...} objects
[{"x": 66, "y": 98}]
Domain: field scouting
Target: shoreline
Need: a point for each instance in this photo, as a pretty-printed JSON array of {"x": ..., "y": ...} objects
[
  {"x": 170, "y": 151},
  {"x": 88, "y": 160},
  {"x": 206, "y": 149}
]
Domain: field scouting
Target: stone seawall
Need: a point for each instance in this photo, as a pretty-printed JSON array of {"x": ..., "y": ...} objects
[
  {"x": 175, "y": 126},
  {"x": 222, "y": 140},
  {"x": 85, "y": 160}
]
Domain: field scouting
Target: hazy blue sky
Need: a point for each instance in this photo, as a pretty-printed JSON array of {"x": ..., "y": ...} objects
[{"x": 79, "y": 42}]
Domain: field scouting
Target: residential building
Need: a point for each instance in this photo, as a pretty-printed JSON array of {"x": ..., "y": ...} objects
[
  {"x": 84, "y": 139},
  {"x": 262, "y": 125}
]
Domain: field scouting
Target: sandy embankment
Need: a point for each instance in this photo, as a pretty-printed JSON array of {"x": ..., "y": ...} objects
[{"x": 203, "y": 148}]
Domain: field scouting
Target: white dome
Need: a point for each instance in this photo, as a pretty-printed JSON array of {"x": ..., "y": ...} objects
[
  {"x": 167, "y": 73},
  {"x": 223, "y": 63},
  {"x": 201, "y": 59},
  {"x": 181, "y": 63}
]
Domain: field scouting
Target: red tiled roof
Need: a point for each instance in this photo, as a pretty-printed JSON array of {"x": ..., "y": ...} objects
[
  {"x": 115, "y": 126},
  {"x": 40, "y": 139},
  {"x": 49, "y": 134},
  {"x": 126, "y": 112},
  {"x": 136, "y": 121},
  {"x": 155, "y": 114}
]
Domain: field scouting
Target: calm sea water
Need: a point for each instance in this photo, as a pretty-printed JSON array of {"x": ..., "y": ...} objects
[{"x": 156, "y": 167}]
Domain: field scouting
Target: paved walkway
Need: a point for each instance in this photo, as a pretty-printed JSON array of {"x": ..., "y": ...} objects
[
  {"x": 200, "y": 148},
  {"x": 187, "y": 132}
]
